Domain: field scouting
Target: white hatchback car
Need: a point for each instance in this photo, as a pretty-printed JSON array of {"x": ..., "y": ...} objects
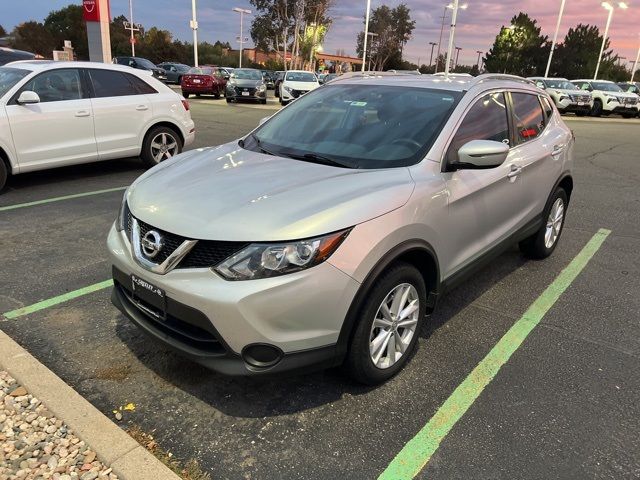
[
  {"x": 295, "y": 84},
  {"x": 54, "y": 114}
]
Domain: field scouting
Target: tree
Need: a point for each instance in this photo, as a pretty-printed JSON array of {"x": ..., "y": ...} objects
[
  {"x": 68, "y": 24},
  {"x": 3, "y": 32},
  {"x": 577, "y": 56},
  {"x": 519, "y": 49},
  {"x": 392, "y": 28},
  {"x": 33, "y": 37}
]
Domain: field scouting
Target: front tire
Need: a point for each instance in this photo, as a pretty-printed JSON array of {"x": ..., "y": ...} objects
[
  {"x": 185, "y": 94},
  {"x": 283, "y": 102},
  {"x": 597, "y": 108},
  {"x": 542, "y": 243},
  {"x": 160, "y": 144},
  {"x": 390, "y": 321},
  {"x": 4, "y": 174}
]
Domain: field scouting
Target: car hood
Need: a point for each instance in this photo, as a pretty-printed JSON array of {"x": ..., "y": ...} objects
[
  {"x": 571, "y": 92},
  {"x": 619, "y": 94},
  {"x": 228, "y": 193},
  {"x": 305, "y": 86},
  {"x": 246, "y": 83}
]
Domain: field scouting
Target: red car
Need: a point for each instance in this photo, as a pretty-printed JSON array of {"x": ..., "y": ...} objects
[{"x": 204, "y": 80}]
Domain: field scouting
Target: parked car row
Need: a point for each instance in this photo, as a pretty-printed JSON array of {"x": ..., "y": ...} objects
[{"x": 592, "y": 97}]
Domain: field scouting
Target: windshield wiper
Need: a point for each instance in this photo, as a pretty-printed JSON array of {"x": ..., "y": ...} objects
[{"x": 316, "y": 158}]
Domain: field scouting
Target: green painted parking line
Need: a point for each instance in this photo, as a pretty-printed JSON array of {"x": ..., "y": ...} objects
[
  {"x": 418, "y": 451},
  {"x": 57, "y": 300},
  {"x": 59, "y": 199}
]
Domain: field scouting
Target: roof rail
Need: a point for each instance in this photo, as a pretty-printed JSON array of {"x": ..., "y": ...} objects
[
  {"x": 372, "y": 74},
  {"x": 501, "y": 76}
]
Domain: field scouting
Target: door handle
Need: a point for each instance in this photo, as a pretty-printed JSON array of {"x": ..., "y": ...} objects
[
  {"x": 142, "y": 108},
  {"x": 83, "y": 113},
  {"x": 557, "y": 149},
  {"x": 515, "y": 171}
]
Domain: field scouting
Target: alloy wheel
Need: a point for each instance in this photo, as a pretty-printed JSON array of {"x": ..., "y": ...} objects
[
  {"x": 163, "y": 146},
  {"x": 554, "y": 223},
  {"x": 394, "y": 326}
]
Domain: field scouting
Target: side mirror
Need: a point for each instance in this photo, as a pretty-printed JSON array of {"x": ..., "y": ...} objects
[
  {"x": 481, "y": 154},
  {"x": 227, "y": 76},
  {"x": 28, "y": 98},
  {"x": 263, "y": 120}
]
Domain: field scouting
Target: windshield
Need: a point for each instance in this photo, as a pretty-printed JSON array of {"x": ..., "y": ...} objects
[
  {"x": 358, "y": 126},
  {"x": 183, "y": 68},
  {"x": 301, "y": 77},
  {"x": 246, "y": 74},
  {"x": 606, "y": 87},
  {"x": 561, "y": 84},
  {"x": 201, "y": 71},
  {"x": 9, "y": 77},
  {"x": 143, "y": 62}
]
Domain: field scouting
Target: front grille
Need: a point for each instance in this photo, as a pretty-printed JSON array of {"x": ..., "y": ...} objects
[
  {"x": 581, "y": 98},
  {"x": 205, "y": 254},
  {"x": 298, "y": 93},
  {"x": 238, "y": 91}
]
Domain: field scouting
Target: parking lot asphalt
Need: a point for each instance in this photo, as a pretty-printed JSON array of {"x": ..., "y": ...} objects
[{"x": 565, "y": 405}]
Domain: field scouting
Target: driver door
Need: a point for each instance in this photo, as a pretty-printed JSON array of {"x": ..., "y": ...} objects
[
  {"x": 487, "y": 205},
  {"x": 57, "y": 131}
]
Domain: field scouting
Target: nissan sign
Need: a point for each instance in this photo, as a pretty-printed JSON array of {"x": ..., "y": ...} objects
[{"x": 91, "y": 10}]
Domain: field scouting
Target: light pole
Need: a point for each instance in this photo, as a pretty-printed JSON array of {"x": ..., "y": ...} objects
[
  {"x": 194, "y": 26},
  {"x": 433, "y": 44},
  {"x": 444, "y": 17},
  {"x": 555, "y": 38},
  {"x": 372, "y": 35},
  {"x": 242, "y": 12},
  {"x": 454, "y": 16},
  {"x": 455, "y": 65},
  {"x": 479, "y": 52},
  {"x": 366, "y": 35},
  {"x": 635, "y": 66},
  {"x": 133, "y": 39},
  {"x": 610, "y": 8}
]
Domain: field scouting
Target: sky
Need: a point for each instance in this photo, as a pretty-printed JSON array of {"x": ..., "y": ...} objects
[{"x": 476, "y": 30}]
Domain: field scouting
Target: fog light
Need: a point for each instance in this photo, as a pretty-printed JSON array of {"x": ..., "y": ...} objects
[{"x": 260, "y": 355}]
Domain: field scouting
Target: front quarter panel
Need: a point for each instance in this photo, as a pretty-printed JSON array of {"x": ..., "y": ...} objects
[{"x": 6, "y": 139}]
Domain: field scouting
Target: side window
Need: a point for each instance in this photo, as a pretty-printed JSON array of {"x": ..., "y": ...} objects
[
  {"x": 540, "y": 84},
  {"x": 57, "y": 85},
  {"x": 140, "y": 85},
  {"x": 546, "y": 105},
  {"x": 528, "y": 116},
  {"x": 486, "y": 120},
  {"x": 107, "y": 83}
]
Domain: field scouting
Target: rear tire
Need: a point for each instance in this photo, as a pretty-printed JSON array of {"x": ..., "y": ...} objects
[
  {"x": 596, "y": 111},
  {"x": 160, "y": 144},
  {"x": 216, "y": 95},
  {"x": 400, "y": 279},
  {"x": 542, "y": 243},
  {"x": 185, "y": 94},
  {"x": 4, "y": 174},
  {"x": 263, "y": 102},
  {"x": 228, "y": 100},
  {"x": 283, "y": 102}
]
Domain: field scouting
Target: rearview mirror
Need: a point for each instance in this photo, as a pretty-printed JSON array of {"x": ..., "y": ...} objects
[
  {"x": 28, "y": 98},
  {"x": 480, "y": 154}
]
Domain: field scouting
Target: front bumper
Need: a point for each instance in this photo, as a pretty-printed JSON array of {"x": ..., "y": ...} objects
[
  {"x": 567, "y": 106},
  {"x": 250, "y": 94},
  {"x": 293, "y": 94},
  {"x": 300, "y": 314}
]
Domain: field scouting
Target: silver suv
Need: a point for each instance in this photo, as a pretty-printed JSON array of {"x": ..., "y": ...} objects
[{"x": 327, "y": 235}]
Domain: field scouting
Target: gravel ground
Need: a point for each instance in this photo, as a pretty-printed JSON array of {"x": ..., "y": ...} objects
[{"x": 35, "y": 445}]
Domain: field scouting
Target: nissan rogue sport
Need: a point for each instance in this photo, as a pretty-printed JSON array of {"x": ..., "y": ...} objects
[{"x": 328, "y": 234}]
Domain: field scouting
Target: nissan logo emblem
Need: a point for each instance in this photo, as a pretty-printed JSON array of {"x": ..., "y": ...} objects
[{"x": 151, "y": 244}]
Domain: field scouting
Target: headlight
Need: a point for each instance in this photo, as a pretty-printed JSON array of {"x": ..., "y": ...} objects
[
  {"x": 123, "y": 214},
  {"x": 287, "y": 89},
  {"x": 264, "y": 260},
  {"x": 262, "y": 88}
]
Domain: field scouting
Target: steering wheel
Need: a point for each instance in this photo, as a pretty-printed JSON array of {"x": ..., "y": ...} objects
[{"x": 406, "y": 141}]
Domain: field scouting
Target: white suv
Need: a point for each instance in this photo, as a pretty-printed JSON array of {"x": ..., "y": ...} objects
[
  {"x": 566, "y": 96},
  {"x": 54, "y": 114},
  {"x": 297, "y": 83},
  {"x": 609, "y": 98}
]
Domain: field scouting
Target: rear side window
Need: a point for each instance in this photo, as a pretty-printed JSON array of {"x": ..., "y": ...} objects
[
  {"x": 486, "y": 120},
  {"x": 546, "y": 105},
  {"x": 140, "y": 85},
  {"x": 107, "y": 83},
  {"x": 528, "y": 115}
]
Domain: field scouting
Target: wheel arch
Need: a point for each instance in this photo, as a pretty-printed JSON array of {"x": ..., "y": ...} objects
[
  {"x": 4, "y": 158},
  {"x": 418, "y": 253},
  {"x": 163, "y": 123}
]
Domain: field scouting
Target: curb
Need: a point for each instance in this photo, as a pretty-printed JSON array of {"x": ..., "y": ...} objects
[
  {"x": 129, "y": 460},
  {"x": 624, "y": 121}
]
